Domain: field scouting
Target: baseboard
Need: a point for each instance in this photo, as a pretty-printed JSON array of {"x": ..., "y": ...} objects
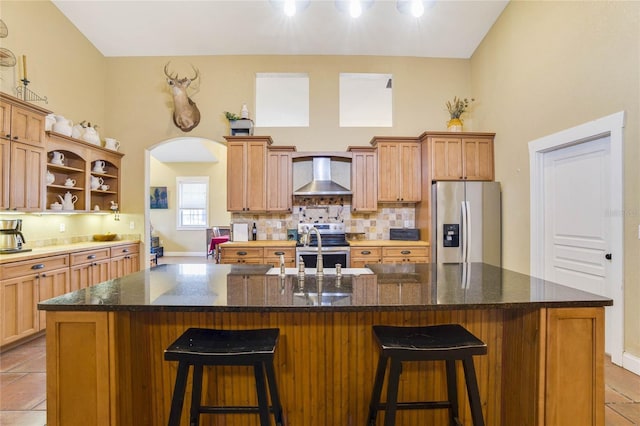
[
  {"x": 631, "y": 363},
  {"x": 185, "y": 253}
]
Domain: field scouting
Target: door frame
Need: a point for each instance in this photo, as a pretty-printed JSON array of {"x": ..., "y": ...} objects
[{"x": 613, "y": 127}]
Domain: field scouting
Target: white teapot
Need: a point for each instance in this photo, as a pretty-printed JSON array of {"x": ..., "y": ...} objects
[
  {"x": 91, "y": 135},
  {"x": 62, "y": 125},
  {"x": 68, "y": 202},
  {"x": 77, "y": 131}
]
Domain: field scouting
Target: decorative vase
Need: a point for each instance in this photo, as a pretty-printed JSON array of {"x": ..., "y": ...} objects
[{"x": 454, "y": 125}]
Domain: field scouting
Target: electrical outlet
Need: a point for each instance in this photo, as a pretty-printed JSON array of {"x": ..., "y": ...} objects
[
  {"x": 62, "y": 227},
  {"x": 132, "y": 225}
]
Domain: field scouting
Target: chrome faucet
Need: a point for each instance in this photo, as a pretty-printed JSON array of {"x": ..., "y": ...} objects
[{"x": 307, "y": 237}]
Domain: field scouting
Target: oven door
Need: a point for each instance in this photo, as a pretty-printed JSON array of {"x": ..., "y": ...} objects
[{"x": 330, "y": 256}]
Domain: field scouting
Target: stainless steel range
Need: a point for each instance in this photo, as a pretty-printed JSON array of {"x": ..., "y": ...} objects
[{"x": 335, "y": 248}]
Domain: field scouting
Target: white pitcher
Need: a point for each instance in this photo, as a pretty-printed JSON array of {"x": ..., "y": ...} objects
[
  {"x": 50, "y": 178},
  {"x": 62, "y": 126},
  {"x": 96, "y": 182},
  {"x": 77, "y": 131},
  {"x": 111, "y": 143},
  {"x": 91, "y": 135},
  {"x": 98, "y": 166},
  {"x": 57, "y": 158}
]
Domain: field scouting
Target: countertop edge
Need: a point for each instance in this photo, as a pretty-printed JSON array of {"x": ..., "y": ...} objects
[{"x": 38, "y": 252}]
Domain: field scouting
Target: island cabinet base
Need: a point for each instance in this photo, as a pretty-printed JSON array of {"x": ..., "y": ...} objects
[{"x": 543, "y": 367}]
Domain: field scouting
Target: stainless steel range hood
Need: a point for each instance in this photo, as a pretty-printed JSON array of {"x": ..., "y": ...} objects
[{"x": 321, "y": 184}]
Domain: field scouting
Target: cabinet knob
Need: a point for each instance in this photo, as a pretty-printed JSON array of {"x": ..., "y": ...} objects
[
  {"x": 91, "y": 256},
  {"x": 38, "y": 266},
  {"x": 15, "y": 138},
  {"x": 7, "y": 136},
  {"x": 125, "y": 250}
]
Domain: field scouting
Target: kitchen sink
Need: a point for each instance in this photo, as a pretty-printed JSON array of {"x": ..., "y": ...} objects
[{"x": 327, "y": 271}]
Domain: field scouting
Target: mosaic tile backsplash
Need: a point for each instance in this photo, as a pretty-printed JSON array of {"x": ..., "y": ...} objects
[{"x": 370, "y": 226}]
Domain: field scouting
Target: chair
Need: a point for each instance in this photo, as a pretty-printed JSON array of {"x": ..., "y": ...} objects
[
  {"x": 448, "y": 342},
  {"x": 203, "y": 347}
]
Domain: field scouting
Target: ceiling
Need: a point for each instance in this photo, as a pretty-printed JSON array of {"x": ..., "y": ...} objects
[{"x": 448, "y": 28}]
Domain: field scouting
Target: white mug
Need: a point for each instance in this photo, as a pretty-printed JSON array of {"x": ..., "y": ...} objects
[
  {"x": 104, "y": 187},
  {"x": 111, "y": 143},
  {"x": 70, "y": 182},
  {"x": 58, "y": 158},
  {"x": 98, "y": 166}
]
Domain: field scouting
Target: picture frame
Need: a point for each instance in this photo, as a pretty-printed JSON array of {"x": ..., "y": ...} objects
[{"x": 158, "y": 197}]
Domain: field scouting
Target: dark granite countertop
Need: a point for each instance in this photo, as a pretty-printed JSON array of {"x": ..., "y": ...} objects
[{"x": 211, "y": 287}]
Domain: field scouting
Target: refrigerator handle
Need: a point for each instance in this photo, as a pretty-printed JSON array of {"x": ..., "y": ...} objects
[
  {"x": 467, "y": 245},
  {"x": 464, "y": 233}
]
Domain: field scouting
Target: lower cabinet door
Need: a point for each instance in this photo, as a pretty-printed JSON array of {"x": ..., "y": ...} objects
[
  {"x": 51, "y": 284},
  {"x": 18, "y": 314}
]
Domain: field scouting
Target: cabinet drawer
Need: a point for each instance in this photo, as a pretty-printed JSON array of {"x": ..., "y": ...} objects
[
  {"x": 235, "y": 253},
  {"x": 272, "y": 256},
  {"x": 125, "y": 250},
  {"x": 33, "y": 266},
  {"x": 410, "y": 259},
  {"x": 82, "y": 257},
  {"x": 405, "y": 252},
  {"x": 366, "y": 253}
]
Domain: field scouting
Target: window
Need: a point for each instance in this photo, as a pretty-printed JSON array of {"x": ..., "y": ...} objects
[
  {"x": 193, "y": 202},
  {"x": 282, "y": 100}
]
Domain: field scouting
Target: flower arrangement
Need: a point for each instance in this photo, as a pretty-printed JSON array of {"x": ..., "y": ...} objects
[
  {"x": 458, "y": 106},
  {"x": 231, "y": 116}
]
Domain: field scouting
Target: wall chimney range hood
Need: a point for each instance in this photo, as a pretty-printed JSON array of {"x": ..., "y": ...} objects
[{"x": 321, "y": 184}]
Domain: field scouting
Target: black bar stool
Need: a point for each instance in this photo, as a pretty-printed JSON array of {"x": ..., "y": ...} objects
[
  {"x": 203, "y": 346},
  {"x": 448, "y": 342}
]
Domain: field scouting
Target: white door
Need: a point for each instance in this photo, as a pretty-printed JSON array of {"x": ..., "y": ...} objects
[
  {"x": 576, "y": 199},
  {"x": 577, "y": 215}
]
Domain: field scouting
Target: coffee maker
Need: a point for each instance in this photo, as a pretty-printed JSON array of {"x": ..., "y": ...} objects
[{"x": 11, "y": 238}]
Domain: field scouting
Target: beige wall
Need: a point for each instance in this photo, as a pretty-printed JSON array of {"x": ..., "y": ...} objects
[
  {"x": 543, "y": 67},
  {"x": 548, "y": 66},
  {"x": 164, "y": 221}
]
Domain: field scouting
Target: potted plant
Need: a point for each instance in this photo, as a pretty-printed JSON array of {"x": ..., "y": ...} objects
[
  {"x": 239, "y": 125},
  {"x": 456, "y": 109}
]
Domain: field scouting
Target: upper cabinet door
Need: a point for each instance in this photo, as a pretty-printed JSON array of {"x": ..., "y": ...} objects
[
  {"x": 466, "y": 156},
  {"x": 279, "y": 179},
  {"x": 399, "y": 171},
  {"x": 364, "y": 179},
  {"x": 247, "y": 173},
  {"x": 236, "y": 166},
  {"x": 27, "y": 126}
]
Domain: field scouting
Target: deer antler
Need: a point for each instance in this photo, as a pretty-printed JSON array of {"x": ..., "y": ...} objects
[
  {"x": 197, "y": 73},
  {"x": 166, "y": 72}
]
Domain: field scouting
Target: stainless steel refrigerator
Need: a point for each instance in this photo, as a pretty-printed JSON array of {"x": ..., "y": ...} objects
[{"x": 467, "y": 222}]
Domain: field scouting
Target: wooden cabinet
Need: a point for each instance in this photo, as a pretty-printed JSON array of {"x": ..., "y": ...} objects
[
  {"x": 364, "y": 179},
  {"x": 21, "y": 154},
  {"x": 279, "y": 178},
  {"x": 23, "y": 285},
  {"x": 361, "y": 256},
  {"x": 465, "y": 156},
  {"x": 237, "y": 254},
  {"x": 79, "y": 164},
  {"x": 22, "y": 121},
  {"x": 405, "y": 254},
  {"x": 125, "y": 260},
  {"x": 246, "y": 173},
  {"x": 89, "y": 267},
  {"x": 399, "y": 169},
  {"x": 5, "y": 155}
]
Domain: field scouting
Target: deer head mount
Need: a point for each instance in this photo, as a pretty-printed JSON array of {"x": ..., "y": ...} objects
[{"x": 186, "y": 114}]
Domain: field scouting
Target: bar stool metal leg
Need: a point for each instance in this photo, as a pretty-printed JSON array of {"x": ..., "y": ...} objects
[
  {"x": 261, "y": 389},
  {"x": 472, "y": 390},
  {"x": 452, "y": 391},
  {"x": 196, "y": 396},
  {"x": 377, "y": 390},
  {"x": 178, "y": 394},
  {"x": 273, "y": 391},
  {"x": 392, "y": 392}
]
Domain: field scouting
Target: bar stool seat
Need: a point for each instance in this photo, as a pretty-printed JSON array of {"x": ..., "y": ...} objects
[
  {"x": 203, "y": 346},
  {"x": 448, "y": 342}
]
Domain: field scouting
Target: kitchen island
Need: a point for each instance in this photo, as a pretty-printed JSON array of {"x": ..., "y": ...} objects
[{"x": 544, "y": 363}]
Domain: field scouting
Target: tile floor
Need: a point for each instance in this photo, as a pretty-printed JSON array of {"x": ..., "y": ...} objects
[{"x": 23, "y": 399}]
